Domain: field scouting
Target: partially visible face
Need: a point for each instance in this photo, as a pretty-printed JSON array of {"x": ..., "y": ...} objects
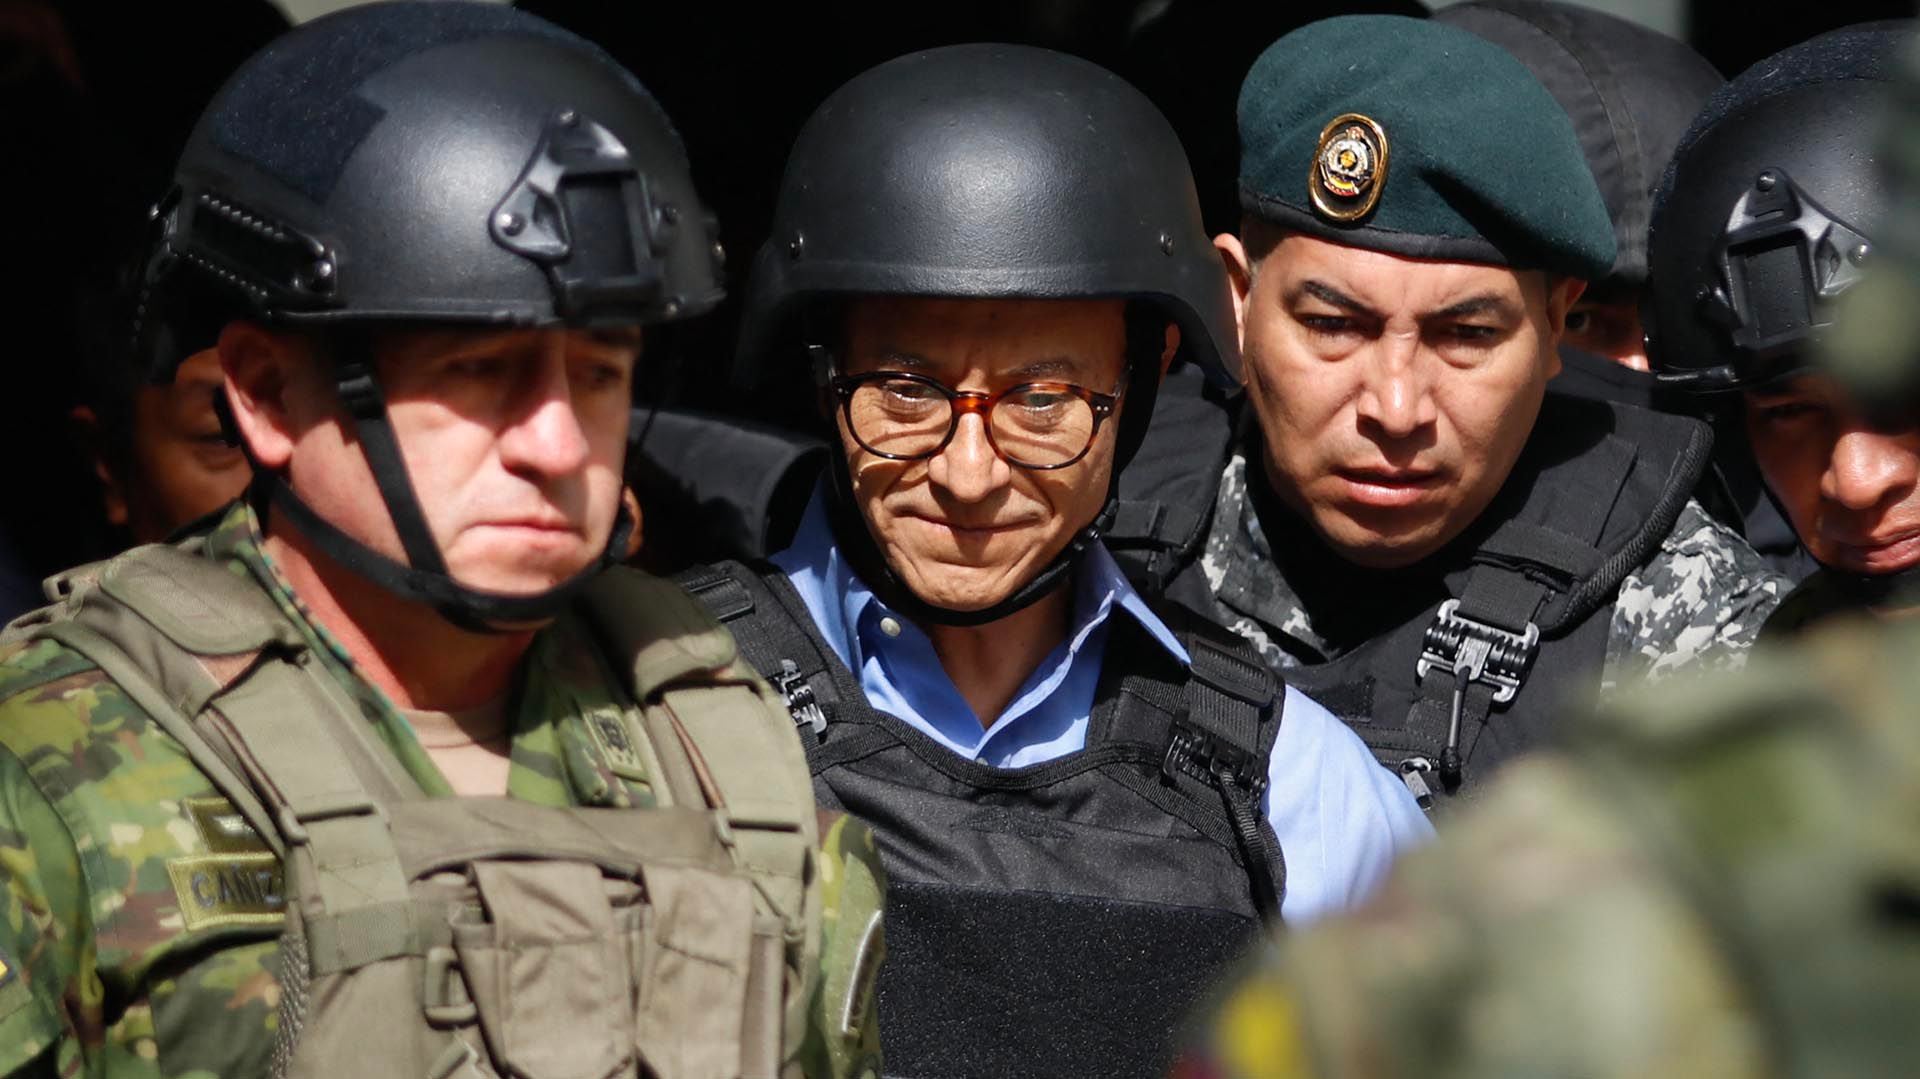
[
  {"x": 514, "y": 440},
  {"x": 1852, "y": 492},
  {"x": 965, "y": 529},
  {"x": 178, "y": 467},
  {"x": 1611, "y": 328},
  {"x": 1394, "y": 394}
]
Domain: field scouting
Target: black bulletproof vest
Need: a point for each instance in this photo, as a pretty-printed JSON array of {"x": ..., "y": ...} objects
[
  {"x": 1447, "y": 695},
  {"x": 1060, "y": 919}
]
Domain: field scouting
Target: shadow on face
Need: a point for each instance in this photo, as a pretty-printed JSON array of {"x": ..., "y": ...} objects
[
  {"x": 1851, "y": 491},
  {"x": 513, "y": 441},
  {"x": 171, "y": 465},
  {"x": 960, "y": 524},
  {"x": 1394, "y": 394},
  {"x": 1609, "y": 327}
]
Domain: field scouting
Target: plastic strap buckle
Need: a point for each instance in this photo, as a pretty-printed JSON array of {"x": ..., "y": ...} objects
[
  {"x": 806, "y": 711},
  {"x": 1473, "y": 651},
  {"x": 1211, "y": 760}
]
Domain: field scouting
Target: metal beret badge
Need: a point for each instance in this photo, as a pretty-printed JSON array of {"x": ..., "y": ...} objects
[{"x": 1349, "y": 168}]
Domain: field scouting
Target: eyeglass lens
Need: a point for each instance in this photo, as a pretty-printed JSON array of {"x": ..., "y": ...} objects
[{"x": 1032, "y": 425}]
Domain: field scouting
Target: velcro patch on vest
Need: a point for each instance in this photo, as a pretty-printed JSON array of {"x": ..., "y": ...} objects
[
  {"x": 240, "y": 883},
  {"x": 611, "y": 737},
  {"x": 221, "y": 827},
  {"x": 216, "y": 890}
]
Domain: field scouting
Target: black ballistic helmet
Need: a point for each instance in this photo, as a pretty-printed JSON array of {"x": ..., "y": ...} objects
[
  {"x": 443, "y": 163},
  {"x": 990, "y": 172},
  {"x": 1768, "y": 211}
]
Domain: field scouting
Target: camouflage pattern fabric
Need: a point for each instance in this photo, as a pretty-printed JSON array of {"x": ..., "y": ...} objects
[
  {"x": 1700, "y": 600},
  {"x": 106, "y": 837},
  {"x": 1719, "y": 877}
]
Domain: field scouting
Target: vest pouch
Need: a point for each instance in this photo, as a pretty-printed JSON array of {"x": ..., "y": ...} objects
[
  {"x": 553, "y": 959},
  {"x": 710, "y": 1002}
]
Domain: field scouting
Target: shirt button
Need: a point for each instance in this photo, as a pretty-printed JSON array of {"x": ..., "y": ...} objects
[{"x": 890, "y": 627}]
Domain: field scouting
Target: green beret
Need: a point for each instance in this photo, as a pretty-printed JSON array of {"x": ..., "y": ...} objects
[{"x": 1420, "y": 139}]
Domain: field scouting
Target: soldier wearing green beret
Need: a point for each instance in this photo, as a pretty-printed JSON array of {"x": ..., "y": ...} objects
[
  {"x": 1716, "y": 877},
  {"x": 1429, "y": 541}
]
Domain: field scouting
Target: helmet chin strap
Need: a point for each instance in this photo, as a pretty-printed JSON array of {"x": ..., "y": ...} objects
[
  {"x": 856, "y": 542},
  {"x": 423, "y": 578}
]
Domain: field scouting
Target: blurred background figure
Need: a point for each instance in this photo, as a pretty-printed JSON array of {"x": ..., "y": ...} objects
[
  {"x": 1630, "y": 93},
  {"x": 1770, "y": 214},
  {"x": 1717, "y": 879},
  {"x": 96, "y": 101}
]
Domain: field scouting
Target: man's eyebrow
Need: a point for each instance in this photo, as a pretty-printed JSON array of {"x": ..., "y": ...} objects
[
  {"x": 1484, "y": 304},
  {"x": 1049, "y": 367},
  {"x": 1326, "y": 293}
]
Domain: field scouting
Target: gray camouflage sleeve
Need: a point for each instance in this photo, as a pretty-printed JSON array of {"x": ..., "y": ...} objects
[{"x": 1699, "y": 601}]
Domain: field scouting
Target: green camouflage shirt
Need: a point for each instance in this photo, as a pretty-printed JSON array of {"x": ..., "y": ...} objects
[
  {"x": 99, "y": 974},
  {"x": 1719, "y": 877}
]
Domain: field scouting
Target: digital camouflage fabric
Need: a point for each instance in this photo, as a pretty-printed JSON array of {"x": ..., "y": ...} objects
[
  {"x": 1718, "y": 877},
  {"x": 138, "y": 915},
  {"x": 1699, "y": 599}
]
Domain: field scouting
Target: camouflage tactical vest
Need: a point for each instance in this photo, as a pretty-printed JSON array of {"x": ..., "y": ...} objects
[{"x": 480, "y": 937}]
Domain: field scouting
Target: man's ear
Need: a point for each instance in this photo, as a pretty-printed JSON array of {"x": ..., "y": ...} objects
[
  {"x": 84, "y": 424},
  {"x": 258, "y": 368},
  {"x": 1170, "y": 349},
  {"x": 1233, "y": 254},
  {"x": 1562, "y": 293}
]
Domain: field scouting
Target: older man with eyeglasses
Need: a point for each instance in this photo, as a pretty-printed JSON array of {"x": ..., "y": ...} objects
[{"x": 986, "y": 258}]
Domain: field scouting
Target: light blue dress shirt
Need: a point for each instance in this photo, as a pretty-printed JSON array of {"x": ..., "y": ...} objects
[{"x": 1341, "y": 818}]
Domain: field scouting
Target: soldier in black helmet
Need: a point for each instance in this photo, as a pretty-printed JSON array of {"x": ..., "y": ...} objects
[
  {"x": 984, "y": 257},
  {"x": 1766, "y": 218},
  {"x": 387, "y": 771}
]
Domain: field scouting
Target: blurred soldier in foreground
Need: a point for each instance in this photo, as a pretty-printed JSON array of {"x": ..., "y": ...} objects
[
  {"x": 1770, "y": 214},
  {"x": 984, "y": 259},
  {"x": 388, "y": 772},
  {"x": 1416, "y": 530},
  {"x": 1721, "y": 877}
]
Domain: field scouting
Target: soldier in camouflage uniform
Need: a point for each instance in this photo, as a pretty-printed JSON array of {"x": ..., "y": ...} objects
[
  {"x": 1716, "y": 878},
  {"x": 1426, "y": 539},
  {"x": 160, "y": 824},
  {"x": 1771, "y": 211}
]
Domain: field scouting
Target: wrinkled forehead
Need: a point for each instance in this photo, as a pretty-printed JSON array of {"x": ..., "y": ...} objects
[
  {"x": 1392, "y": 283},
  {"x": 1072, "y": 340},
  {"x": 412, "y": 343}
]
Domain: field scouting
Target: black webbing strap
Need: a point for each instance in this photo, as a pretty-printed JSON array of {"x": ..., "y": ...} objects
[
  {"x": 771, "y": 626},
  {"x": 1479, "y": 648},
  {"x": 360, "y": 393},
  {"x": 1228, "y": 697},
  {"x": 1211, "y": 727},
  {"x": 1156, "y": 537}
]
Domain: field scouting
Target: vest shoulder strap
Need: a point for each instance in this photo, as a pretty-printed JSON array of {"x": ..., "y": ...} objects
[
  {"x": 730, "y": 726},
  {"x": 175, "y": 631},
  {"x": 1213, "y": 728}
]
